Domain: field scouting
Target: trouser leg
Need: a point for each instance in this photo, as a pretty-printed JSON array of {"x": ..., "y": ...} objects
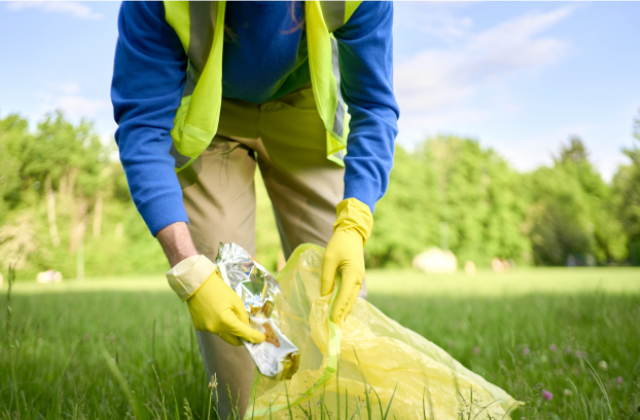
[
  {"x": 304, "y": 186},
  {"x": 219, "y": 196}
]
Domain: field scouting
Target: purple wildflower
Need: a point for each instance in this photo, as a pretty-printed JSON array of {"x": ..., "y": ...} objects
[
  {"x": 553, "y": 347},
  {"x": 578, "y": 353},
  {"x": 568, "y": 349},
  {"x": 547, "y": 395},
  {"x": 526, "y": 351},
  {"x": 476, "y": 350},
  {"x": 619, "y": 379}
]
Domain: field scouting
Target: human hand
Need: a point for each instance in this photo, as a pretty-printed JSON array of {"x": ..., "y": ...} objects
[
  {"x": 213, "y": 305},
  {"x": 344, "y": 256},
  {"x": 217, "y": 308}
]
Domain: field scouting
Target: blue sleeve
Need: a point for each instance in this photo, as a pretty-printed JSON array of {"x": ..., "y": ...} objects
[
  {"x": 148, "y": 79},
  {"x": 366, "y": 76}
]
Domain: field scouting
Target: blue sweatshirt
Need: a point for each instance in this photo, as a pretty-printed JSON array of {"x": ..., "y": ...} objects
[{"x": 263, "y": 60}]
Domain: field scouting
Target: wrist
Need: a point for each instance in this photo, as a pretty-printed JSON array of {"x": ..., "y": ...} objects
[
  {"x": 189, "y": 275},
  {"x": 176, "y": 242}
]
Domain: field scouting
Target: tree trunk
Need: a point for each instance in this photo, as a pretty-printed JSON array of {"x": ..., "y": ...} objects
[
  {"x": 51, "y": 212},
  {"x": 80, "y": 253},
  {"x": 78, "y": 219},
  {"x": 97, "y": 217}
]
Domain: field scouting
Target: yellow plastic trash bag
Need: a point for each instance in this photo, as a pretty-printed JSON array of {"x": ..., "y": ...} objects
[{"x": 404, "y": 372}]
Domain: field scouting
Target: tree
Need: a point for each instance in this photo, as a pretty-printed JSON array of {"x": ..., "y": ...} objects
[
  {"x": 454, "y": 180},
  {"x": 626, "y": 187},
  {"x": 13, "y": 131},
  {"x": 572, "y": 212},
  {"x": 57, "y": 183}
]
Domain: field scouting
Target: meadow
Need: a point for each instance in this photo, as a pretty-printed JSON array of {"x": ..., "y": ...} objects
[{"x": 566, "y": 341}]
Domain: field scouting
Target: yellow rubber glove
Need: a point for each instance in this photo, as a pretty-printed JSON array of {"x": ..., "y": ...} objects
[
  {"x": 344, "y": 256},
  {"x": 213, "y": 305}
]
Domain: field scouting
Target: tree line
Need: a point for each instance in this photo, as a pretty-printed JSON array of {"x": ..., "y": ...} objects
[{"x": 65, "y": 205}]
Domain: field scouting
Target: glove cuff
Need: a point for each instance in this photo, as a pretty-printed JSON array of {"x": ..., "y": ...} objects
[
  {"x": 189, "y": 275},
  {"x": 352, "y": 213}
]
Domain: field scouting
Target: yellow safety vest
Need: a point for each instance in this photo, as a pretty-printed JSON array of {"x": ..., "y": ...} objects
[{"x": 200, "y": 27}]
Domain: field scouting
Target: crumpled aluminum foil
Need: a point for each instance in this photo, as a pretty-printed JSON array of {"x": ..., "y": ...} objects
[{"x": 277, "y": 356}]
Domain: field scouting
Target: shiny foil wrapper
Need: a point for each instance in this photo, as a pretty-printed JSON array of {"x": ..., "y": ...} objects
[{"x": 277, "y": 356}]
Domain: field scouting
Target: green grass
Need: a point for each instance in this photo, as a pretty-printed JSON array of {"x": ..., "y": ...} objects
[{"x": 72, "y": 349}]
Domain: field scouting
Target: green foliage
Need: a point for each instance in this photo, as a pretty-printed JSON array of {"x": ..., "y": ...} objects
[
  {"x": 62, "y": 197},
  {"x": 453, "y": 180},
  {"x": 626, "y": 187},
  {"x": 490, "y": 210},
  {"x": 63, "y": 194},
  {"x": 572, "y": 211}
]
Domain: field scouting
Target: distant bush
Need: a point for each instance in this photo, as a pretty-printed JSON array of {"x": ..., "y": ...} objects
[{"x": 61, "y": 195}]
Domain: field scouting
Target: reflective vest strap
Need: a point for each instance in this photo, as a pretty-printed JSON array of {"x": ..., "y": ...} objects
[
  {"x": 176, "y": 13},
  {"x": 200, "y": 27},
  {"x": 341, "y": 109},
  {"x": 333, "y": 14},
  {"x": 203, "y": 21},
  {"x": 337, "y": 13},
  {"x": 202, "y": 117},
  {"x": 349, "y": 9},
  {"x": 202, "y": 18}
]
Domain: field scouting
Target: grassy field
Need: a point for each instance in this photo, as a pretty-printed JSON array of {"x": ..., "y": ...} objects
[{"x": 566, "y": 341}]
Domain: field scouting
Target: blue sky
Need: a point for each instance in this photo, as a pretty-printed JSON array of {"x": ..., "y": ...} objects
[{"x": 519, "y": 76}]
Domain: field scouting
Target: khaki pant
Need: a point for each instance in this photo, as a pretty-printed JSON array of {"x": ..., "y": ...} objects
[{"x": 288, "y": 139}]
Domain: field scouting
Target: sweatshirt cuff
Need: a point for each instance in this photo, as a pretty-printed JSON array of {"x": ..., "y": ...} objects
[
  {"x": 189, "y": 274},
  {"x": 360, "y": 192},
  {"x": 162, "y": 211}
]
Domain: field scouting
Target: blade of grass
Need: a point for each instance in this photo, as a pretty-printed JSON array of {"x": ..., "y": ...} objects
[
  {"x": 602, "y": 388},
  {"x": 253, "y": 406},
  {"x": 321, "y": 402},
  {"x": 390, "y": 401},
  {"x": 306, "y": 413},
  {"x": 636, "y": 413},
  {"x": 210, "y": 401},
  {"x": 286, "y": 391},
  {"x": 175, "y": 401},
  {"x": 424, "y": 408},
  {"x": 508, "y": 411},
  {"x": 324, "y": 410},
  {"x": 366, "y": 393},
  {"x": 164, "y": 408},
  {"x": 346, "y": 405},
  {"x": 484, "y": 408},
  {"x": 113, "y": 367},
  {"x": 357, "y": 411},
  {"x": 10, "y": 278},
  {"x": 338, "y": 390},
  {"x": 379, "y": 402}
]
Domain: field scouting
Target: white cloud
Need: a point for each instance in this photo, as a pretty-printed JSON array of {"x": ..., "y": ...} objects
[
  {"x": 68, "y": 97},
  {"x": 468, "y": 80},
  {"x": 435, "y": 18},
  {"x": 80, "y": 106},
  {"x": 70, "y": 8}
]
